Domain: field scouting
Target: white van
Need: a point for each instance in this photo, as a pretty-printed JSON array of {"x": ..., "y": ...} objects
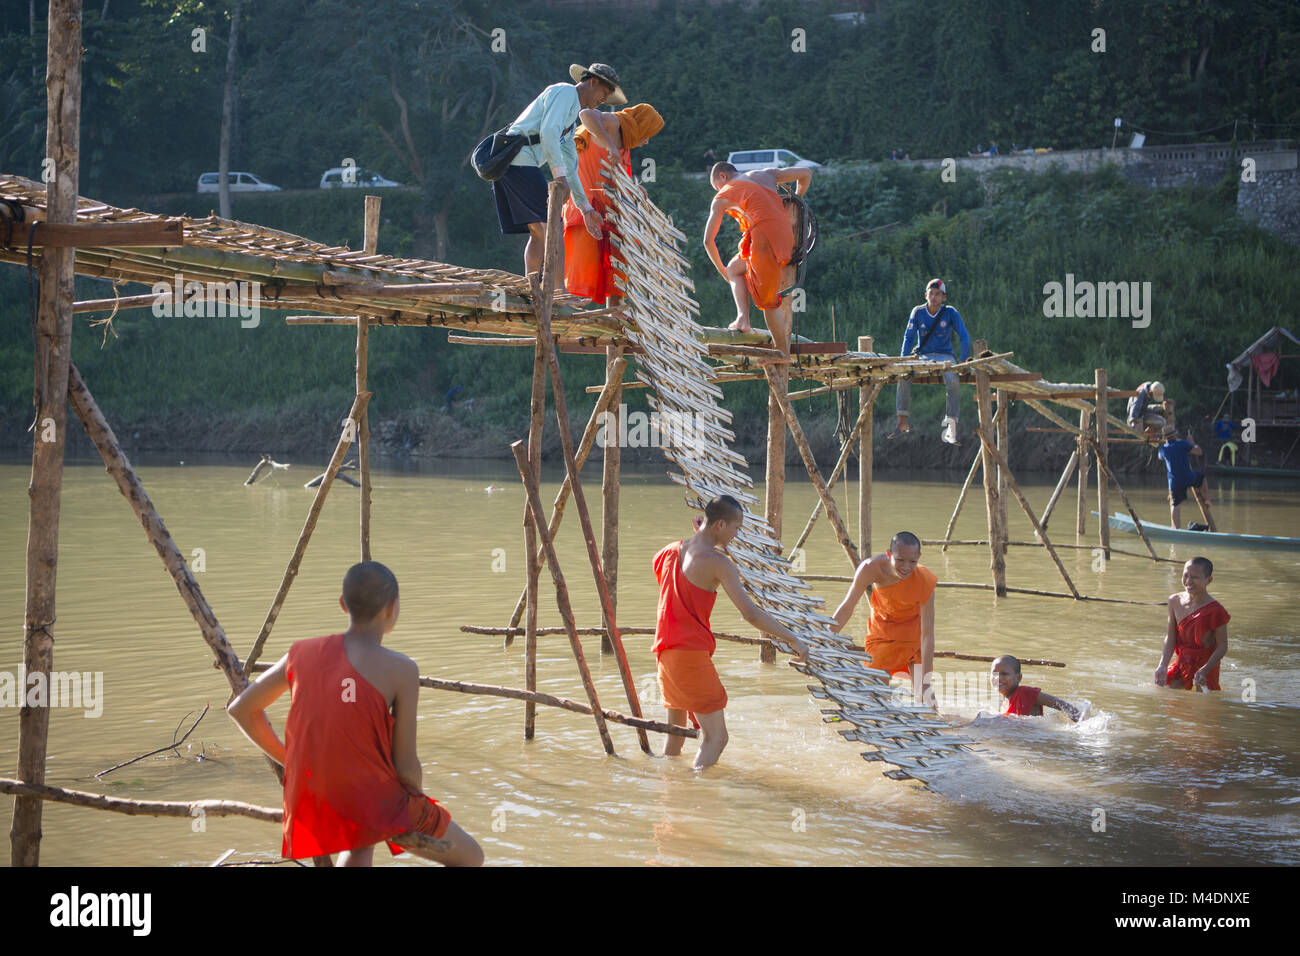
[
  {"x": 239, "y": 183},
  {"x": 745, "y": 160},
  {"x": 333, "y": 179}
]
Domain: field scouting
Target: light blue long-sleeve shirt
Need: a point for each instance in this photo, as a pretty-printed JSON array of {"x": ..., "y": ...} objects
[{"x": 554, "y": 111}]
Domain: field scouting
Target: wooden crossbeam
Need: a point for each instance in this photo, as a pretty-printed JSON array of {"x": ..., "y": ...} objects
[{"x": 102, "y": 235}]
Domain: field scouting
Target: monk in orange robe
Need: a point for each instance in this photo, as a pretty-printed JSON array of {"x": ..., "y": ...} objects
[
  {"x": 1197, "y": 633},
  {"x": 900, "y": 635},
  {"x": 587, "y": 268},
  {"x": 766, "y": 241},
  {"x": 690, "y": 573}
]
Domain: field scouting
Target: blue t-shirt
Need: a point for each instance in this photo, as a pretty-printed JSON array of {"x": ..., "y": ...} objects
[
  {"x": 948, "y": 320},
  {"x": 1175, "y": 456}
]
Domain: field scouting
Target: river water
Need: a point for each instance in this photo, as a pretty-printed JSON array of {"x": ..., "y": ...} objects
[{"x": 1151, "y": 777}]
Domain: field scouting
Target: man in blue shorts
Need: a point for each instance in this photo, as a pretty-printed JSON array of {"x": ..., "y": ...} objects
[
  {"x": 929, "y": 336},
  {"x": 550, "y": 120},
  {"x": 1174, "y": 453}
]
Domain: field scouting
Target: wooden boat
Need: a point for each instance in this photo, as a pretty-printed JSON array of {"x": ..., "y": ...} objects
[
  {"x": 1122, "y": 522},
  {"x": 1248, "y": 471}
]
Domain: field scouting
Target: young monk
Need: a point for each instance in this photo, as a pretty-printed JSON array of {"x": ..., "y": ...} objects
[
  {"x": 587, "y": 269},
  {"x": 351, "y": 774},
  {"x": 690, "y": 573},
  {"x": 900, "y": 634},
  {"x": 766, "y": 241},
  {"x": 1024, "y": 701},
  {"x": 1197, "y": 633}
]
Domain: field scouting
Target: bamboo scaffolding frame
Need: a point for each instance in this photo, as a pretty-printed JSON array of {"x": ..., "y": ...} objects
[
  {"x": 866, "y": 451},
  {"x": 600, "y": 631},
  {"x": 1066, "y": 475},
  {"x": 997, "y": 561},
  {"x": 1105, "y": 516}
]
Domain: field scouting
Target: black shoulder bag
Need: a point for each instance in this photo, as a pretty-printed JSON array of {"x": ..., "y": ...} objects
[
  {"x": 492, "y": 157},
  {"x": 920, "y": 346}
]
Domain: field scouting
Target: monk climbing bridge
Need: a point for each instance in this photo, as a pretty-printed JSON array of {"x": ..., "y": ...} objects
[{"x": 908, "y": 737}]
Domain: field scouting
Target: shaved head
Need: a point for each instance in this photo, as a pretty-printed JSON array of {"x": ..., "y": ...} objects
[
  {"x": 905, "y": 538},
  {"x": 1010, "y": 663},
  {"x": 368, "y": 588},
  {"x": 722, "y": 508}
]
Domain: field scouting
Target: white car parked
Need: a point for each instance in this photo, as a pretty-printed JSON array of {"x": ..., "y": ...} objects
[
  {"x": 745, "y": 160},
  {"x": 334, "y": 179},
  {"x": 239, "y": 183}
]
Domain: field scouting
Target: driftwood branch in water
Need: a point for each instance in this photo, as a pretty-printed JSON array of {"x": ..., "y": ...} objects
[{"x": 172, "y": 746}]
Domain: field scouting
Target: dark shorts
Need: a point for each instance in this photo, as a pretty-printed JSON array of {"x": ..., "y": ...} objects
[
  {"x": 1178, "y": 493},
  {"x": 521, "y": 198}
]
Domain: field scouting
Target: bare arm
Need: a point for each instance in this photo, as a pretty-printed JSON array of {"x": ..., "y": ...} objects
[
  {"x": 711, "y": 234},
  {"x": 927, "y": 648},
  {"x": 751, "y": 612},
  {"x": 1047, "y": 700},
  {"x": 862, "y": 579},
  {"x": 405, "y": 760},
  {"x": 801, "y": 176},
  {"x": 598, "y": 124},
  {"x": 1171, "y": 641},
  {"x": 1220, "y": 636},
  {"x": 248, "y": 710}
]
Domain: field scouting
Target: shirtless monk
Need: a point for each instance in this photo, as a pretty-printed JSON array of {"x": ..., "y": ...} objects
[
  {"x": 587, "y": 269},
  {"x": 351, "y": 774},
  {"x": 689, "y": 574},
  {"x": 1197, "y": 633},
  {"x": 900, "y": 635},
  {"x": 766, "y": 241}
]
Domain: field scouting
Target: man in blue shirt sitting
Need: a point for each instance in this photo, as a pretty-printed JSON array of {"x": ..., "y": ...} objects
[
  {"x": 1174, "y": 453},
  {"x": 929, "y": 337}
]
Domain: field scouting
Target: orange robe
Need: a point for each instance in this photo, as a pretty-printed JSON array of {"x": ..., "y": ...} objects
[
  {"x": 587, "y": 269},
  {"x": 1189, "y": 655},
  {"x": 766, "y": 241},
  {"x": 341, "y": 790},
  {"x": 894, "y": 633},
  {"x": 684, "y": 641}
]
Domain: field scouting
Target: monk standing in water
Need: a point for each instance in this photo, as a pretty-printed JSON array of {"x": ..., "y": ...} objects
[
  {"x": 766, "y": 240},
  {"x": 689, "y": 574},
  {"x": 900, "y": 636},
  {"x": 1197, "y": 633},
  {"x": 587, "y": 270}
]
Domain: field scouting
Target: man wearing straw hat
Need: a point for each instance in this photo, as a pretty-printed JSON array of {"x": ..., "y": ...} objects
[
  {"x": 551, "y": 118},
  {"x": 1146, "y": 409}
]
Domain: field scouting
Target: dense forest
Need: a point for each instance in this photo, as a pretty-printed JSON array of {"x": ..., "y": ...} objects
[{"x": 407, "y": 88}]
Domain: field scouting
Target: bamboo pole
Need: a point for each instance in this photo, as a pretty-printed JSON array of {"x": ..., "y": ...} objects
[
  {"x": 961, "y": 498},
  {"x": 866, "y": 451},
  {"x": 1010, "y": 590},
  {"x": 603, "y": 404},
  {"x": 318, "y": 502},
  {"x": 864, "y": 416},
  {"x": 1081, "y": 507},
  {"x": 370, "y": 238},
  {"x": 997, "y": 562},
  {"x": 536, "y": 419},
  {"x": 53, "y": 347},
  {"x": 1106, "y": 473},
  {"x": 529, "y": 479},
  {"x": 981, "y": 657},
  {"x": 810, "y": 463},
  {"x": 1059, "y": 546},
  {"x": 554, "y": 249},
  {"x": 1204, "y": 505},
  {"x": 609, "y": 488},
  {"x": 1060, "y": 485},
  {"x": 1024, "y": 504},
  {"x": 778, "y": 378},
  {"x": 363, "y": 426},
  {"x": 1101, "y": 450},
  {"x": 1004, "y": 446},
  {"x": 179, "y": 808},
  {"x": 597, "y": 631}
]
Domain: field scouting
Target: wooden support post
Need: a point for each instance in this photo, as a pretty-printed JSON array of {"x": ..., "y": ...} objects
[
  {"x": 864, "y": 421},
  {"x": 987, "y": 442},
  {"x": 543, "y": 296},
  {"x": 1103, "y": 462},
  {"x": 1204, "y": 505},
  {"x": 866, "y": 452},
  {"x": 961, "y": 498},
  {"x": 536, "y": 418},
  {"x": 1004, "y": 446},
  {"x": 1081, "y": 517},
  {"x": 371, "y": 242},
  {"x": 370, "y": 236},
  {"x": 993, "y": 506},
  {"x": 609, "y": 488},
  {"x": 1060, "y": 485},
  {"x": 603, "y": 403},
  {"x": 810, "y": 463},
  {"x": 534, "y": 501},
  {"x": 1105, "y": 473},
  {"x": 300, "y": 549},
  {"x": 53, "y": 345},
  {"x": 778, "y": 378}
]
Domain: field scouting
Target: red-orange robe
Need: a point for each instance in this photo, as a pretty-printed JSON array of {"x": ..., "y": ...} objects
[
  {"x": 894, "y": 633},
  {"x": 1189, "y": 655},
  {"x": 684, "y": 641},
  {"x": 587, "y": 269},
  {"x": 341, "y": 790},
  {"x": 766, "y": 241},
  {"x": 1023, "y": 702}
]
